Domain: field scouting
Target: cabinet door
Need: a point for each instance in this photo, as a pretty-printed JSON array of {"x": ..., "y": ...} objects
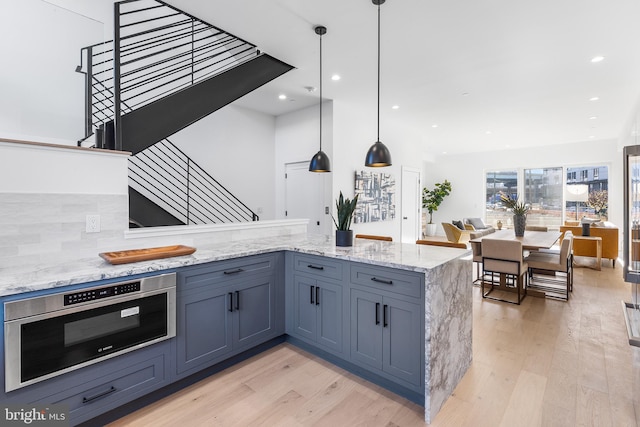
[
  {"x": 329, "y": 316},
  {"x": 401, "y": 340},
  {"x": 304, "y": 310},
  {"x": 204, "y": 327},
  {"x": 366, "y": 328},
  {"x": 254, "y": 311}
]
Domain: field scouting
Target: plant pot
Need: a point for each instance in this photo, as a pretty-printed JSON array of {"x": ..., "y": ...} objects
[
  {"x": 344, "y": 237},
  {"x": 431, "y": 229},
  {"x": 519, "y": 223}
]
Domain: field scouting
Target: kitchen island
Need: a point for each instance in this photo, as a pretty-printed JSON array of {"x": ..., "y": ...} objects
[{"x": 446, "y": 274}]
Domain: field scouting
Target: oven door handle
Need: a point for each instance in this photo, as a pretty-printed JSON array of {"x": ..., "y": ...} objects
[{"x": 99, "y": 395}]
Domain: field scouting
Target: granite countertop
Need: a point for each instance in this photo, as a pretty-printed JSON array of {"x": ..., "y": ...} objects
[{"x": 412, "y": 257}]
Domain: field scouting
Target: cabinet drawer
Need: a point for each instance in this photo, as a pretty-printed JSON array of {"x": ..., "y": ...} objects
[
  {"x": 102, "y": 394},
  {"x": 318, "y": 266},
  {"x": 222, "y": 271},
  {"x": 391, "y": 280}
]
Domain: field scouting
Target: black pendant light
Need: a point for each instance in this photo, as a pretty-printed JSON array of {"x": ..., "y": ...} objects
[
  {"x": 320, "y": 162},
  {"x": 378, "y": 154}
]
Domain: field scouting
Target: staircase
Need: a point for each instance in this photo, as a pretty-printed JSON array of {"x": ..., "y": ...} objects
[{"x": 163, "y": 71}]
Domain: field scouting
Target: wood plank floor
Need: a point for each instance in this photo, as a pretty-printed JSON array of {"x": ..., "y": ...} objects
[{"x": 544, "y": 363}]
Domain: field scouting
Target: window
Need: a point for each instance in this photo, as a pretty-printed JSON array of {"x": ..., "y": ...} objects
[
  {"x": 543, "y": 193},
  {"x": 551, "y": 198},
  {"x": 496, "y": 182},
  {"x": 588, "y": 198}
]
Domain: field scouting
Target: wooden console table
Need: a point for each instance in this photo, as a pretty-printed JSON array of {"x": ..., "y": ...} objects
[{"x": 598, "y": 243}]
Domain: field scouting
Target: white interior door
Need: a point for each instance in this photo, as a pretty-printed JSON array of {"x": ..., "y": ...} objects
[
  {"x": 411, "y": 204},
  {"x": 304, "y": 196}
]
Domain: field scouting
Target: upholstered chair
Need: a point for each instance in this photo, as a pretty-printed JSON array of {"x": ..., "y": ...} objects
[
  {"x": 544, "y": 266},
  {"x": 504, "y": 257},
  {"x": 454, "y": 234}
]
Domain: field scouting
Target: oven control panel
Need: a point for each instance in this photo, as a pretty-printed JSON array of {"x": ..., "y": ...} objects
[{"x": 99, "y": 293}]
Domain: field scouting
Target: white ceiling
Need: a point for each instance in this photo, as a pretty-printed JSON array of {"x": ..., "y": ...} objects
[{"x": 489, "y": 73}]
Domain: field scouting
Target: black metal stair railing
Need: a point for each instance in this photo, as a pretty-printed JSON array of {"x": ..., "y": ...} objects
[
  {"x": 159, "y": 50},
  {"x": 169, "y": 178}
]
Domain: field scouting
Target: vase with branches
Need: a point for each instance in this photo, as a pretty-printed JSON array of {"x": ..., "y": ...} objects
[{"x": 599, "y": 201}]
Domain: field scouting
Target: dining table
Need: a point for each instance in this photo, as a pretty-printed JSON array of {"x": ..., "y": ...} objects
[{"x": 531, "y": 241}]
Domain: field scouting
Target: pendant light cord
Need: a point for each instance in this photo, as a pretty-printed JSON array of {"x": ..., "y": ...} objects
[
  {"x": 378, "y": 72},
  {"x": 320, "y": 92}
]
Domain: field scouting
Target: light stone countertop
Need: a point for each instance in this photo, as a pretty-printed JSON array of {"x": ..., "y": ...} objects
[{"x": 420, "y": 258}]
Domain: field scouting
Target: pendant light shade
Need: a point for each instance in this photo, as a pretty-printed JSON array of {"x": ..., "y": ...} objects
[
  {"x": 320, "y": 162},
  {"x": 378, "y": 154}
]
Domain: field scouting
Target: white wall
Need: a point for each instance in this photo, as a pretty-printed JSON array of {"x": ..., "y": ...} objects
[
  {"x": 237, "y": 147},
  {"x": 297, "y": 140},
  {"x": 42, "y": 96},
  {"x": 354, "y": 132},
  {"x": 38, "y": 169},
  {"x": 466, "y": 174}
]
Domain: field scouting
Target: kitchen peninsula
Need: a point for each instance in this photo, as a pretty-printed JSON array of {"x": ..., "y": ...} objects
[{"x": 442, "y": 276}]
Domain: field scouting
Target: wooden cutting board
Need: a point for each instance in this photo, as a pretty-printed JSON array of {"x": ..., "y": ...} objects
[{"x": 137, "y": 255}]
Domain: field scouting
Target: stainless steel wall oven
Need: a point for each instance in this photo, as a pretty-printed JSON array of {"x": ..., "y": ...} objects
[{"x": 53, "y": 334}]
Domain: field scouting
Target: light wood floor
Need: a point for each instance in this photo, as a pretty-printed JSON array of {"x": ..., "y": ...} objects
[{"x": 544, "y": 363}]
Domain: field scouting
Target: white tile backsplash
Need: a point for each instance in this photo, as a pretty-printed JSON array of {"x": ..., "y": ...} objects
[
  {"x": 46, "y": 227},
  {"x": 51, "y": 229}
]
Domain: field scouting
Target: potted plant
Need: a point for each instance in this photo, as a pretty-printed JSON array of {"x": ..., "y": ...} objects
[
  {"x": 519, "y": 209},
  {"x": 345, "y": 209},
  {"x": 431, "y": 200}
]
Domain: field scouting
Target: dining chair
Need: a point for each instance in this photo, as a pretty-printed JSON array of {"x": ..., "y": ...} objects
[
  {"x": 504, "y": 257},
  {"x": 476, "y": 249},
  {"x": 441, "y": 243},
  {"x": 373, "y": 237},
  {"x": 536, "y": 228},
  {"x": 544, "y": 266}
]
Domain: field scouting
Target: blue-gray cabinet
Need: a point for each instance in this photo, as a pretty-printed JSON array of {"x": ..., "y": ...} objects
[
  {"x": 224, "y": 308},
  {"x": 93, "y": 390},
  {"x": 387, "y": 318},
  {"x": 316, "y": 310}
]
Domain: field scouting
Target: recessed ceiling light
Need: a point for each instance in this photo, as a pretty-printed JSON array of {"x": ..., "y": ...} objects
[
  {"x": 591, "y": 136},
  {"x": 444, "y": 152},
  {"x": 282, "y": 97},
  {"x": 488, "y": 132},
  {"x": 395, "y": 107},
  {"x": 593, "y": 117},
  {"x": 594, "y": 98},
  {"x": 335, "y": 77},
  {"x": 507, "y": 146},
  {"x": 597, "y": 58},
  {"x": 434, "y": 126}
]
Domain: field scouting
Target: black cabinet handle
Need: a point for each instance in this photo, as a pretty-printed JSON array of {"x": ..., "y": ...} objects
[
  {"x": 377, "y": 313},
  {"x": 384, "y": 316},
  {"x": 311, "y": 294},
  {"x": 316, "y": 267},
  {"x": 230, "y": 302},
  {"x": 317, "y": 295},
  {"x": 237, "y": 300},
  {"x": 237, "y": 270},
  {"x": 386, "y": 282},
  {"x": 98, "y": 396}
]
